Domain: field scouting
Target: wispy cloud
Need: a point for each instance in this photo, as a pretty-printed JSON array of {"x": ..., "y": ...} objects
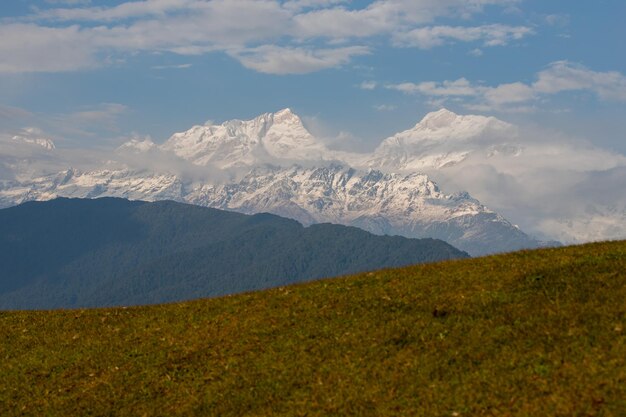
[
  {"x": 175, "y": 66},
  {"x": 489, "y": 35},
  {"x": 557, "y": 19},
  {"x": 298, "y": 5},
  {"x": 565, "y": 76},
  {"x": 69, "y": 2},
  {"x": 368, "y": 85},
  {"x": 34, "y": 48},
  {"x": 553, "y": 186},
  {"x": 127, "y": 10},
  {"x": 558, "y": 77},
  {"x": 10, "y": 113},
  {"x": 84, "y": 122},
  {"x": 297, "y": 36},
  {"x": 281, "y": 60},
  {"x": 385, "y": 107},
  {"x": 104, "y": 114}
]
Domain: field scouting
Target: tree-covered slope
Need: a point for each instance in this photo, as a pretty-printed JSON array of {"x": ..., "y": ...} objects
[
  {"x": 101, "y": 252},
  {"x": 533, "y": 333}
]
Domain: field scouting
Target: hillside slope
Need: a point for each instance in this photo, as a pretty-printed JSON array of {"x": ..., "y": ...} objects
[
  {"x": 103, "y": 252},
  {"x": 524, "y": 334}
]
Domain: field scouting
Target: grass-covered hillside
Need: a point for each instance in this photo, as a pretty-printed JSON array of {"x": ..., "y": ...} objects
[{"x": 535, "y": 333}]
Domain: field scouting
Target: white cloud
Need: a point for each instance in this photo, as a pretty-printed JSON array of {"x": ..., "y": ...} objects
[
  {"x": 557, "y": 19},
  {"x": 176, "y": 66},
  {"x": 196, "y": 27},
  {"x": 553, "y": 186},
  {"x": 131, "y": 9},
  {"x": 9, "y": 113},
  {"x": 218, "y": 25},
  {"x": 385, "y": 107},
  {"x": 424, "y": 11},
  {"x": 509, "y": 93},
  {"x": 69, "y": 2},
  {"x": 97, "y": 120},
  {"x": 308, "y": 31},
  {"x": 559, "y": 77},
  {"x": 391, "y": 17},
  {"x": 566, "y": 76},
  {"x": 32, "y": 48},
  {"x": 368, "y": 85},
  {"x": 298, "y": 5},
  {"x": 279, "y": 60},
  {"x": 342, "y": 23},
  {"x": 105, "y": 114},
  {"x": 489, "y": 35},
  {"x": 460, "y": 87}
]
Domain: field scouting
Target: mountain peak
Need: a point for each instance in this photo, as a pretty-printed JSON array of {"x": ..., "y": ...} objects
[
  {"x": 438, "y": 119},
  {"x": 286, "y": 115},
  {"x": 43, "y": 142},
  {"x": 137, "y": 145},
  {"x": 279, "y": 135},
  {"x": 285, "y": 111}
]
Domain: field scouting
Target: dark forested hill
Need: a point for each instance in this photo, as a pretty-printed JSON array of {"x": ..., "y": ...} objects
[{"x": 108, "y": 251}]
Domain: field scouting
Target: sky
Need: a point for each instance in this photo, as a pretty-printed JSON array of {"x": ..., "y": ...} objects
[{"x": 93, "y": 73}]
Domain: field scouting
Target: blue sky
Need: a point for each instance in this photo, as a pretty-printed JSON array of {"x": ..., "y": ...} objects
[{"x": 93, "y": 73}]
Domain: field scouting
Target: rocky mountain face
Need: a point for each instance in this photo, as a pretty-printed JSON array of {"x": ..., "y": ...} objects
[{"x": 273, "y": 164}]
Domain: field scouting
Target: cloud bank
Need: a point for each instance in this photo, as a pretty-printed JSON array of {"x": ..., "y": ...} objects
[
  {"x": 558, "y": 77},
  {"x": 552, "y": 186},
  {"x": 277, "y": 37}
]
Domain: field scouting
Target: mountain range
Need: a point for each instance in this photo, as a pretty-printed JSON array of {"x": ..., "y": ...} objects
[
  {"x": 273, "y": 164},
  {"x": 68, "y": 253}
]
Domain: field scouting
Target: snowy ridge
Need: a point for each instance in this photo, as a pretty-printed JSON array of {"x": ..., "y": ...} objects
[
  {"x": 337, "y": 194},
  {"x": 92, "y": 184}
]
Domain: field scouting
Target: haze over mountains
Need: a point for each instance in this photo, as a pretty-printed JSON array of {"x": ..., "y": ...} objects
[{"x": 272, "y": 163}]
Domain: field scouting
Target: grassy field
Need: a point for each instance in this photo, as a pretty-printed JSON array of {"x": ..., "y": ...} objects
[{"x": 533, "y": 333}]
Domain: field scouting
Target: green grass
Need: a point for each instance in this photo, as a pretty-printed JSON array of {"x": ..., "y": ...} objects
[{"x": 533, "y": 333}]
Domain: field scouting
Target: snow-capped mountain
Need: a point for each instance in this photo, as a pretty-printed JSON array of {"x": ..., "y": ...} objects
[
  {"x": 277, "y": 166},
  {"x": 270, "y": 137},
  {"x": 137, "y": 146},
  {"x": 21, "y": 155},
  {"x": 442, "y": 139},
  {"x": 43, "y": 142}
]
